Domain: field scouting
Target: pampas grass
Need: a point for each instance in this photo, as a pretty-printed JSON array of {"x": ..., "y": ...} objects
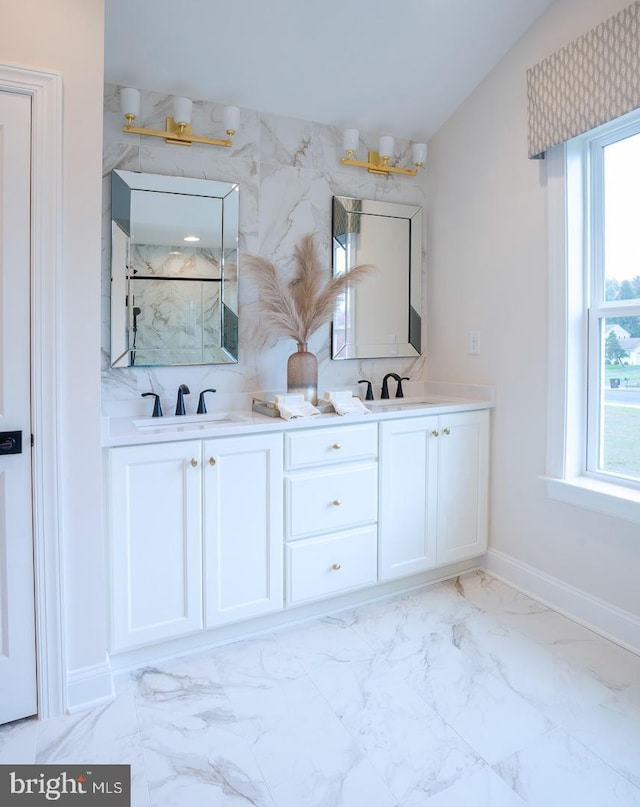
[{"x": 300, "y": 306}]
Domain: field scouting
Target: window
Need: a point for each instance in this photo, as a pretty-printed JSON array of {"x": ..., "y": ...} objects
[
  {"x": 613, "y": 264},
  {"x": 593, "y": 185}
]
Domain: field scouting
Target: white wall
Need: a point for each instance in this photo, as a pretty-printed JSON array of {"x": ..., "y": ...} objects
[
  {"x": 487, "y": 264},
  {"x": 67, "y": 36}
]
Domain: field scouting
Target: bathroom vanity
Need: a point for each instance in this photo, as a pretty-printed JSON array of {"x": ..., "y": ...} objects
[{"x": 220, "y": 520}]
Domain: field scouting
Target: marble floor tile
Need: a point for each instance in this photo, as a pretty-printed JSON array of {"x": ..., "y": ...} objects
[
  {"x": 482, "y": 788},
  {"x": 416, "y": 752},
  {"x": 410, "y": 616},
  {"x": 103, "y": 734},
  {"x": 556, "y": 688},
  {"x": 490, "y": 595},
  {"x": 612, "y": 731},
  {"x": 557, "y": 770},
  {"x": 193, "y": 749},
  {"x": 465, "y": 693},
  {"x": 18, "y": 742},
  {"x": 306, "y": 755},
  {"x": 323, "y": 640},
  {"x": 612, "y": 665},
  {"x": 493, "y": 719},
  {"x": 107, "y": 734},
  {"x": 194, "y": 762}
]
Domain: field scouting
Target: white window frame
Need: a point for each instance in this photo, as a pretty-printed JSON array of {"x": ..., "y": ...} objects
[{"x": 572, "y": 381}]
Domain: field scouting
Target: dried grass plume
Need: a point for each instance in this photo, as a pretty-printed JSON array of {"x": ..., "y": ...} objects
[{"x": 298, "y": 307}]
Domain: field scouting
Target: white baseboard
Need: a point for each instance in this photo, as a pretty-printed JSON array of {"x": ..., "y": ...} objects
[
  {"x": 89, "y": 686},
  {"x": 613, "y": 623}
]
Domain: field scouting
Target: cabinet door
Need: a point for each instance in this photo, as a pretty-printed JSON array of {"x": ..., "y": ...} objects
[
  {"x": 408, "y": 496},
  {"x": 243, "y": 527},
  {"x": 463, "y": 481},
  {"x": 156, "y": 544}
]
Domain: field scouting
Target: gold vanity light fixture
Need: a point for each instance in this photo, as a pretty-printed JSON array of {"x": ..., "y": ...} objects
[
  {"x": 178, "y": 128},
  {"x": 378, "y": 161}
]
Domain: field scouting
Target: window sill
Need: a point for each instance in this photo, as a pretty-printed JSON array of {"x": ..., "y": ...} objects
[{"x": 591, "y": 494}]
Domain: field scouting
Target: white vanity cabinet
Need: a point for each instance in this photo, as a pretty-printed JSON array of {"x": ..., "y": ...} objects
[
  {"x": 331, "y": 510},
  {"x": 434, "y": 475},
  {"x": 155, "y": 521},
  {"x": 242, "y": 527},
  {"x": 196, "y": 535},
  {"x": 228, "y": 527}
]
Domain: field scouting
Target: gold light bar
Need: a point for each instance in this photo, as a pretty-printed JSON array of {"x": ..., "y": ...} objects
[
  {"x": 175, "y": 134},
  {"x": 378, "y": 161},
  {"x": 178, "y": 129},
  {"x": 379, "y": 165}
]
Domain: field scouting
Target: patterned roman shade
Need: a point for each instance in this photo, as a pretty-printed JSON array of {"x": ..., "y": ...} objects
[{"x": 591, "y": 81}]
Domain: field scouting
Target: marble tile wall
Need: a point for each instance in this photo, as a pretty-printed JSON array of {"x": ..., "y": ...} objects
[{"x": 288, "y": 170}]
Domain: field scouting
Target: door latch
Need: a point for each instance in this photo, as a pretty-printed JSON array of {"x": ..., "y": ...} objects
[{"x": 10, "y": 443}]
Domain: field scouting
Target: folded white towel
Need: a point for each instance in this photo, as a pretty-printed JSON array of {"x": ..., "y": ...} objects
[
  {"x": 345, "y": 403},
  {"x": 294, "y": 406}
]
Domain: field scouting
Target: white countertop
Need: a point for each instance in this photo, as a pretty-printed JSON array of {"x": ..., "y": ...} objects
[{"x": 124, "y": 431}]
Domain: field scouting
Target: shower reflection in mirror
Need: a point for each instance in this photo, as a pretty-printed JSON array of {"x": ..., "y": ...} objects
[{"x": 174, "y": 296}]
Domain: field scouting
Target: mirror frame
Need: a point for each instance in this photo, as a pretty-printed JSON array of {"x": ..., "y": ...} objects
[
  {"x": 344, "y": 207},
  {"x": 123, "y": 183}
]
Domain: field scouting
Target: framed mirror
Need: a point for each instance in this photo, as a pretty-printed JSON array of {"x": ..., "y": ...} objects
[
  {"x": 382, "y": 316},
  {"x": 174, "y": 270}
]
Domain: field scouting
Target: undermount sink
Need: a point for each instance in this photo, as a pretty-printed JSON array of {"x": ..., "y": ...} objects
[
  {"x": 404, "y": 403},
  {"x": 188, "y": 421}
]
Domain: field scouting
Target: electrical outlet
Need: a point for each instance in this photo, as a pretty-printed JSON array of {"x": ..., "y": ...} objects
[{"x": 474, "y": 343}]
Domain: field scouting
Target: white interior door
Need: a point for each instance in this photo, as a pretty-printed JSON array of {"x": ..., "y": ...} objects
[{"x": 18, "y": 692}]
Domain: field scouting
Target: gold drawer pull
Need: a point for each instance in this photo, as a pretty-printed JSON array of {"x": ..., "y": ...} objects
[
  {"x": 337, "y": 446},
  {"x": 447, "y": 430},
  {"x": 336, "y": 567},
  {"x": 337, "y": 502},
  {"x": 194, "y": 463},
  {"x": 435, "y": 432},
  {"x": 212, "y": 460}
]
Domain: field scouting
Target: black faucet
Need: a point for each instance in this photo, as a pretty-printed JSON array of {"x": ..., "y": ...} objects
[
  {"x": 157, "y": 407},
  {"x": 400, "y": 391},
  {"x": 202, "y": 408},
  {"x": 369, "y": 393},
  {"x": 183, "y": 390},
  {"x": 385, "y": 384}
]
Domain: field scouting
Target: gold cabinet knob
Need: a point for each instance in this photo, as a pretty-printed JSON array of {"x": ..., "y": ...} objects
[
  {"x": 447, "y": 430},
  {"x": 336, "y": 567},
  {"x": 212, "y": 460},
  {"x": 435, "y": 432},
  {"x": 337, "y": 446},
  {"x": 337, "y": 502},
  {"x": 194, "y": 463}
]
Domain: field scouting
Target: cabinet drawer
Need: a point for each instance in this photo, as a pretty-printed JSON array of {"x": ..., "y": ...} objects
[
  {"x": 320, "y": 567},
  {"x": 332, "y": 499},
  {"x": 325, "y": 445}
]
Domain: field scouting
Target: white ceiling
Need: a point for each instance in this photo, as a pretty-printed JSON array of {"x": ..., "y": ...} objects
[{"x": 398, "y": 67}]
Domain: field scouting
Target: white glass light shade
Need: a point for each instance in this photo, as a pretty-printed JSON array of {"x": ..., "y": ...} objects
[
  {"x": 351, "y": 139},
  {"x": 231, "y": 118},
  {"x": 182, "y": 108},
  {"x": 130, "y": 101},
  {"x": 386, "y": 146},
  {"x": 419, "y": 153}
]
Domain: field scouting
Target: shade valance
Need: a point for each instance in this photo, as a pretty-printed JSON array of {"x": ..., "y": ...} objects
[{"x": 591, "y": 81}]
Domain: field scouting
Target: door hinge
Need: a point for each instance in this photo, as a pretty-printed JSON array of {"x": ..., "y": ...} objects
[{"x": 31, "y": 441}]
